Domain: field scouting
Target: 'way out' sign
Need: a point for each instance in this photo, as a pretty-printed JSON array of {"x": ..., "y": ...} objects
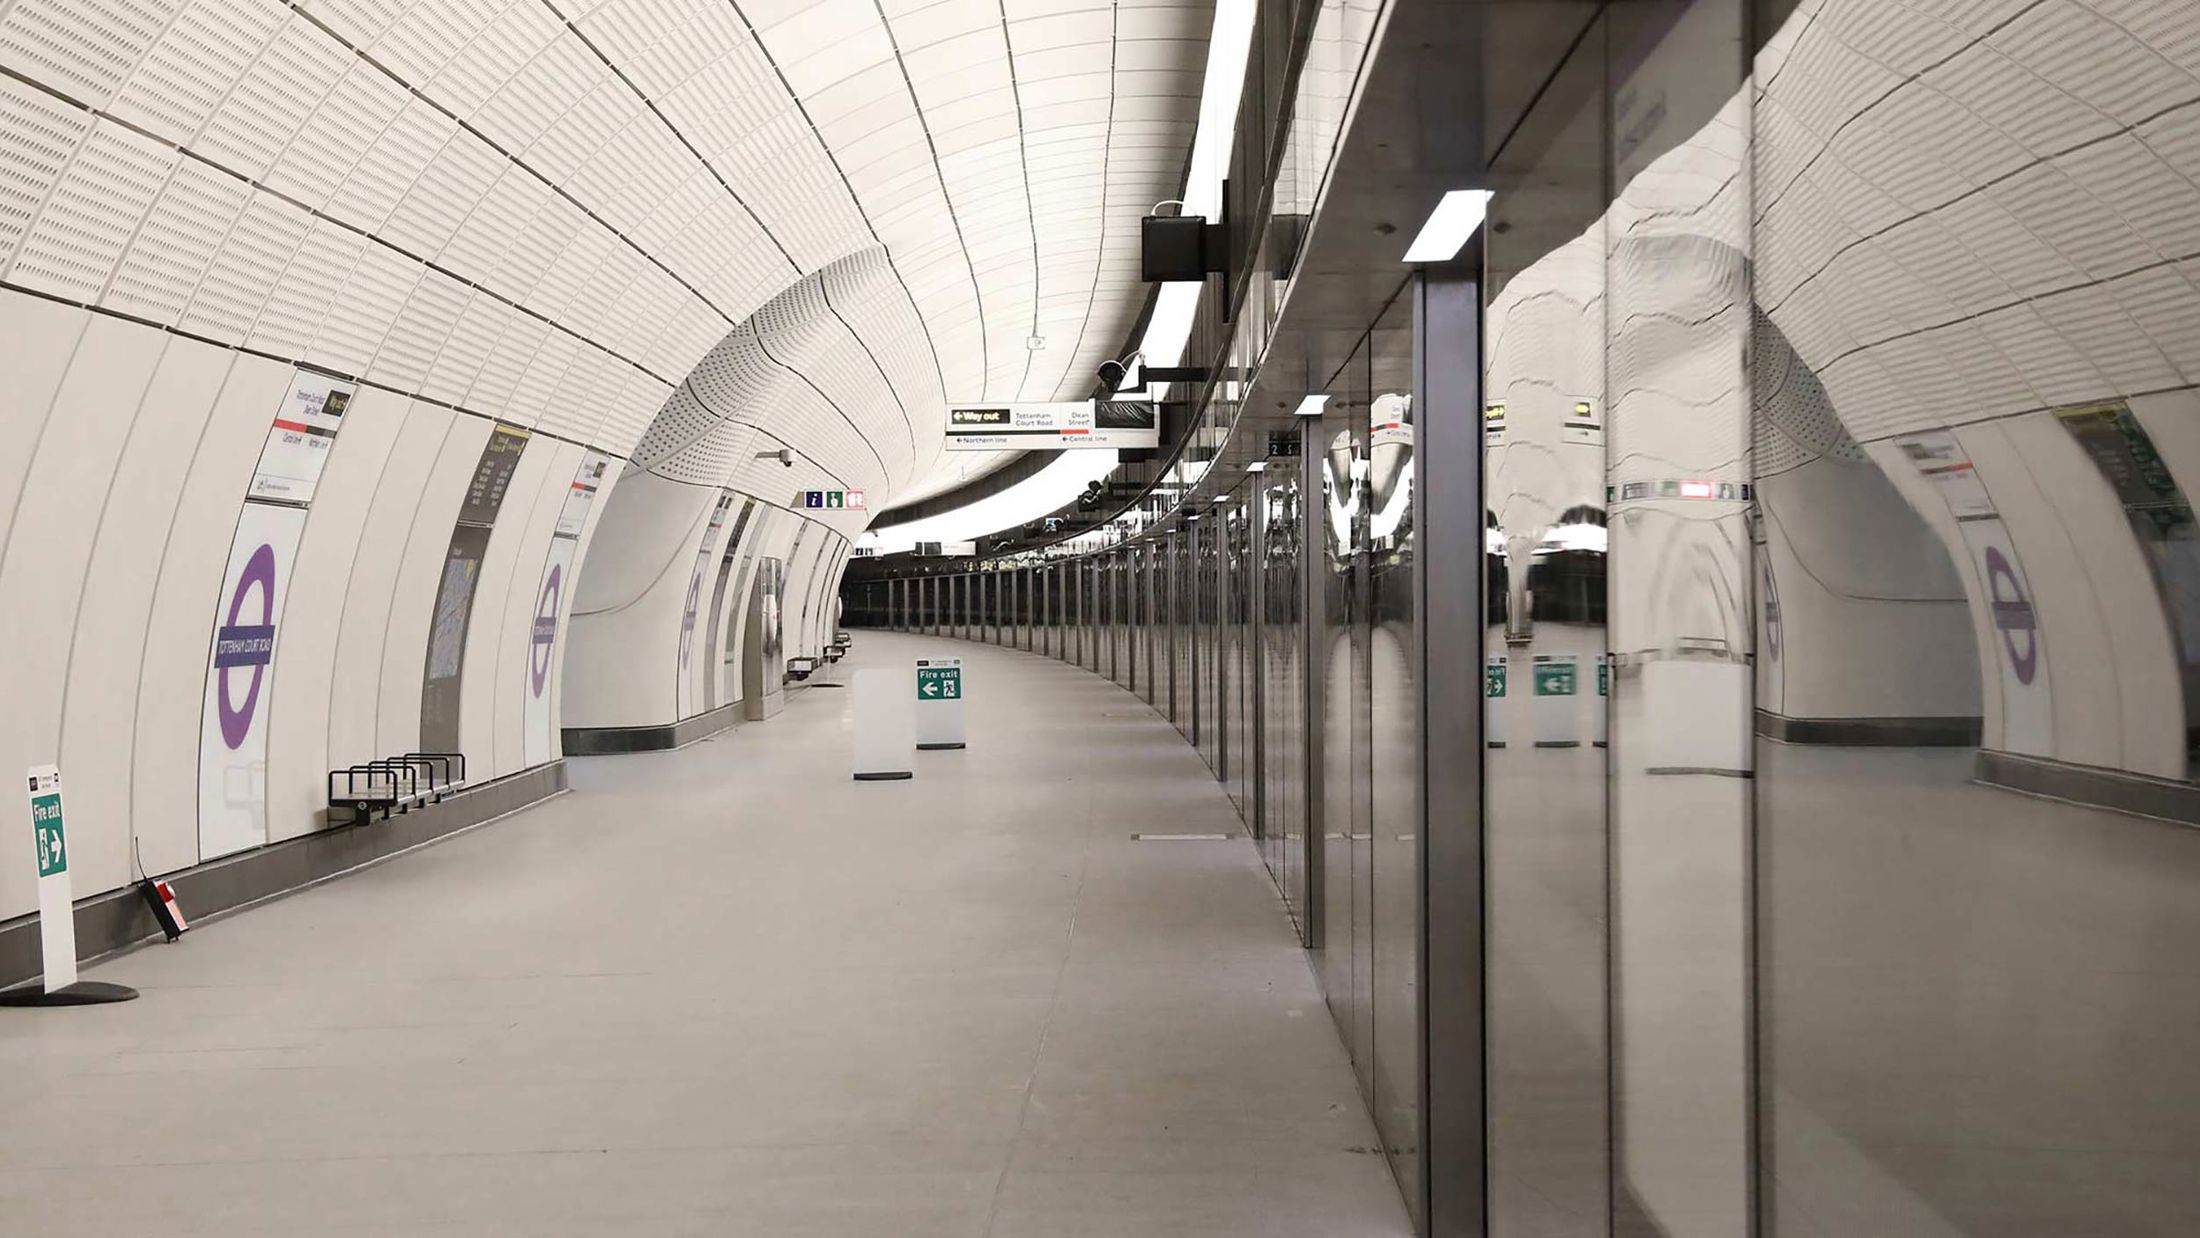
[{"x": 56, "y": 908}]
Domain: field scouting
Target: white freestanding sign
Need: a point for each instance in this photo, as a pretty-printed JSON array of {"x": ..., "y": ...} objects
[
  {"x": 56, "y": 906},
  {"x": 885, "y": 724},
  {"x": 939, "y": 701},
  {"x": 1557, "y": 700}
]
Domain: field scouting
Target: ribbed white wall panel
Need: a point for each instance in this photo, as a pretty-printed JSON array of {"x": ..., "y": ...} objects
[
  {"x": 114, "y": 632},
  {"x": 72, "y": 459},
  {"x": 411, "y": 601},
  {"x": 683, "y": 230},
  {"x": 302, "y": 704},
  {"x": 355, "y": 682}
]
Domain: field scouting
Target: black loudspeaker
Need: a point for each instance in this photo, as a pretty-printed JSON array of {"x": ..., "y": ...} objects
[{"x": 1172, "y": 248}]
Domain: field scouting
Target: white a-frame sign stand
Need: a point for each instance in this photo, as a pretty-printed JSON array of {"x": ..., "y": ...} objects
[{"x": 56, "y": 908}]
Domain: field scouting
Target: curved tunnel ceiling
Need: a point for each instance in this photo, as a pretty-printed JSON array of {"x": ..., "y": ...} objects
[{"x": 552, "y": 212}]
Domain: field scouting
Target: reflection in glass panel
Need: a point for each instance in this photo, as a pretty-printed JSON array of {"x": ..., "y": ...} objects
[
  {"x": 1976, "y": 445},
  {"x": 1675, "y": 333},
  {"x": 1546, "y": 678},
  {"x": 1390, "y": 723}
]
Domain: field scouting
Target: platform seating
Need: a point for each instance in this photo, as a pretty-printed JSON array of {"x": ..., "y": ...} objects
[{"x": 395, "y": 784}]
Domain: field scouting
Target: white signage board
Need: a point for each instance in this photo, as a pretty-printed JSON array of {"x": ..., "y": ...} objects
[
  {"x": 1557, "y": 685},
  {"x": 56, "y": 905},
  {"x": 1053, "y": 426},
  {"x": 240, "y": 675},
  {"x": 939, "y": 702},
  {"x": 1941, "y": 460},
  {"x": 298, "y": 444},
  {"x": 885, "y": 732},
  {"x": 581, "y": 495}
]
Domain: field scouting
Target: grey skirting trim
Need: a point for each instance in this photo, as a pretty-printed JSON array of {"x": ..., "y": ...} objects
[
  {"x": 597, "y": 741},
  {"x": 2092, "y": 786},
  {"x": 1957, "y": 732},
  {"x": 119, "y": 918}
]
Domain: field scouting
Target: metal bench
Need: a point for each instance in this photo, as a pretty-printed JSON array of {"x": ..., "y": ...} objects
[
  {"x": 395, "y": 784},
  {"x": 799, "y": 669}
]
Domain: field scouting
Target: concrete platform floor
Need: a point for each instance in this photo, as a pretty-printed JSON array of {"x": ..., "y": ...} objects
[{"x": 731, "y": 991}]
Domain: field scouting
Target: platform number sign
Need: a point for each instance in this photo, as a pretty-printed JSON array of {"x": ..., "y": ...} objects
[
  {"x": 53, "y": 855},
  {"x": 939, "y": 683}
]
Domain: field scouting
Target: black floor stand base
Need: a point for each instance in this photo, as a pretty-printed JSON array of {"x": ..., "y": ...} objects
[
  {"x": 886, "y": 775},
  {"x": 937, "y": 747},
  {"x": 82, "y": 993}
]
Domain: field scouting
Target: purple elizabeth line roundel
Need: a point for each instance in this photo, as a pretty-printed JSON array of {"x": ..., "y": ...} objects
[
  {"x": 238, "y": 645},
  {"x": 2020, "y": 629},
  {"x": 546, "y": 629}
]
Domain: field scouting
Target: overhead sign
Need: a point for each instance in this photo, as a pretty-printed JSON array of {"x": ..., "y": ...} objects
[
  {"x": 1053, "y": 426},
  {"x": 56, "y": 907},
  {"x": 298, "y": 443},
  {"x": 834, "y": 500}
]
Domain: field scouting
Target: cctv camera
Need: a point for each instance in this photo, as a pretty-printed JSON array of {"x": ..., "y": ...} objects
[
  {"x": 786, "y": 457},
  {"x": 1112, "y": 374}
]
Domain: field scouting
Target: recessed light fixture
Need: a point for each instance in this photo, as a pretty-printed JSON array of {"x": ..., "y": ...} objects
[
  {"x": 1311, "y": 406},
  {"x": 1454, "y": 220},
  {"x": 1257, "y": 466}
]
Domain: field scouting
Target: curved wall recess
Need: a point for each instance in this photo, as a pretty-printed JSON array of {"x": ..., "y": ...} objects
[{"x": 834, "y": 369}]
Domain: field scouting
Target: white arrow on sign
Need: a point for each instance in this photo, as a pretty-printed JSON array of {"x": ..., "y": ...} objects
[{"x": 931, "y": 687}]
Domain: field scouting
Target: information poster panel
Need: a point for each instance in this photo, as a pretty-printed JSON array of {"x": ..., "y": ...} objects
[
  {"x": 2162, "y": 522},
  {"x": 299, "y": 442},
  {"x": 553, "y": 598},
  {"x": 442, "y": 679},
  {"x": 240, "y": 677}
]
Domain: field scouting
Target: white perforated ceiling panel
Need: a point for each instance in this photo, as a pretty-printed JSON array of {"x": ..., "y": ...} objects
[{"x": 553, "y": 210}]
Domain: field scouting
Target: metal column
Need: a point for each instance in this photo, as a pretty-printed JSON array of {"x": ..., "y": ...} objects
[
  {"x": 1448, "y": 518},
  {"x": 1257, "y": 648},
  {"x": 1313, "y": 692},
  {"x": 1191, "y": 573}
]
